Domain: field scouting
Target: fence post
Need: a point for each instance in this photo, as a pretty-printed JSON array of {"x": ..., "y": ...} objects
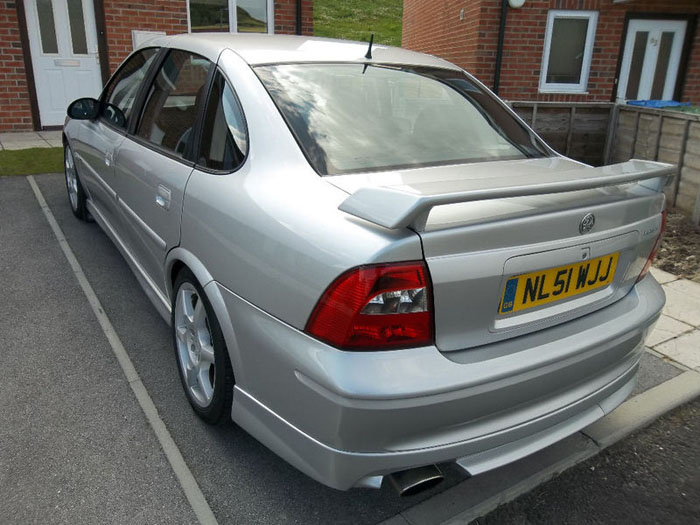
[
  {"x": 634, "y": 135},
  {"x": 681, "y": 160},
  {"x": 572, "y": 115},
  {"x": 612, "y": 131},
  {"x": 658, "y": 136},
  {"x": 534, "y": 116}
]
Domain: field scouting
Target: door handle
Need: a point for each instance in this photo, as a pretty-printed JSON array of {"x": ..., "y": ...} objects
[
  {"x": 109, "y": 157},
  {"x": 163, "y": 197}
]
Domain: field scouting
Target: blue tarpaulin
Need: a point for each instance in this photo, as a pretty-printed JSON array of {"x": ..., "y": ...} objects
[{"x": 657, "y": 103}]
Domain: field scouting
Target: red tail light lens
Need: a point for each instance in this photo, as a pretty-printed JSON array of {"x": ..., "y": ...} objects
[
  {"x": 655, "y": 249},
  {"x": 376, "y": 307}
]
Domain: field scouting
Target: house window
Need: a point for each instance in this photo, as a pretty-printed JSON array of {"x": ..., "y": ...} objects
[
  {"x": 235, "y": 16},
  {"x": 568, "y": 48}
]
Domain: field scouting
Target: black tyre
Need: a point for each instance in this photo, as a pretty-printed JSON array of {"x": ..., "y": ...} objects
[
  {"x": 76, "y": 193},
  {"x": 200, "y": 350}
]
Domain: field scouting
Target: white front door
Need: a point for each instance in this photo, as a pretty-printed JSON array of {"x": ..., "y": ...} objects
[
  {"x": 651, "y": 59},
  {"x": 63, "y": 43}
]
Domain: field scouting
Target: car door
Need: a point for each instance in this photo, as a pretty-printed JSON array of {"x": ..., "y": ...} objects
[
  {"x": 153, "y": 164},
  {"x": 98, "y": 139}
]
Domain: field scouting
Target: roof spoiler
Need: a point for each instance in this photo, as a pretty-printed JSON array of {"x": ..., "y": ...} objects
[{"x": 397, "y": 207}]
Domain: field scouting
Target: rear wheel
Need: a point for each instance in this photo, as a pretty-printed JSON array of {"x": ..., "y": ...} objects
[
  {"x": 76, "y": 193},
  {"x": 200, "y": 350}
]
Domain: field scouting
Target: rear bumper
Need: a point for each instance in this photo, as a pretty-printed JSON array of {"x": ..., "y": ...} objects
[{"x": 346, "y": 418}]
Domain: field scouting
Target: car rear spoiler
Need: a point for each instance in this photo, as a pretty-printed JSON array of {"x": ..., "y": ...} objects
[{"x": 396, "y": 207}]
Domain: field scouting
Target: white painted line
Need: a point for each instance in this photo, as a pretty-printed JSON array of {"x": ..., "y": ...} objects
[{"x": 187, "y": 481}]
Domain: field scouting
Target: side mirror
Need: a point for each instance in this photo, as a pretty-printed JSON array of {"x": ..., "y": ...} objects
[{"x": 84, "y": 109}]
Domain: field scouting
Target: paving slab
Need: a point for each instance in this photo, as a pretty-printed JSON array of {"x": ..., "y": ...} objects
[
  {"x": 25, "y": 144},
  {"x": 667, "y": 328},
  {"x": 683, "y": 301},
  {"x": 663, "y": 277},
  {"x": 684, "y": 349},
  {"x": 21, "y": 136},
  {"x": 74, "y": 445},
  {"x": 53, "y": 135}
]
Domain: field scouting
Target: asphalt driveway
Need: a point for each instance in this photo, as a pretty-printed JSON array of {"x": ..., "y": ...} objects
[
  {"x": 73, "y": 434},
  {"x": 75, "y": 445}
]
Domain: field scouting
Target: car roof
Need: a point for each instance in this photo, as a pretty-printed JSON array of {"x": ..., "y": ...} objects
[{"x": 257, "y": 49}]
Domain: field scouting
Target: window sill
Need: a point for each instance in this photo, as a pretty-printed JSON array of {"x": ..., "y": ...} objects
[{"x": 562, "y": 91}]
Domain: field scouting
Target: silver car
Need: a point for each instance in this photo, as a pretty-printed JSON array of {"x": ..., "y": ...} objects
[{"x": 368, "y": 261}]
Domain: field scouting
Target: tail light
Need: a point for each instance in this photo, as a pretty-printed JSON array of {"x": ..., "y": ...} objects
[
  {"x": 655, "y": 249},
  {"x": 376, "y": 307}
]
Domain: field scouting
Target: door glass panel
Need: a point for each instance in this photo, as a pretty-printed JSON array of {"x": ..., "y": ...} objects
[
  {"x": 77, "y": 27},
  {"x": 122, "y": 90},
  {"x": 224, "y": 134},
  {"x": 251, "y": 16},
  {"x": 566, "y": 52},
  {"x": 665, "y": 45},
  {"x": 209, "y": 15},
  {"x": 637, "y": 63},
  {"x": 171, "y": 107},
  {"x": 47, "y": 26}
]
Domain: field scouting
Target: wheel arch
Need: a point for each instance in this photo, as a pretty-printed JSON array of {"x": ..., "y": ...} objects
[{"x": 179, "y": 258}]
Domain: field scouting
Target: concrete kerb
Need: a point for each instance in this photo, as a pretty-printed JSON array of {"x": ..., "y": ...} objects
[{"x": 477, "y": 497}]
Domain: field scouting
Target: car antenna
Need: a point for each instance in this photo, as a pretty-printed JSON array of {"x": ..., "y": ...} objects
[{"x": 368, "y": 56}]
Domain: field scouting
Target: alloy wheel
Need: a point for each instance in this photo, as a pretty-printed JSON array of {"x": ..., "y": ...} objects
[{"x": 195, "y": 349}]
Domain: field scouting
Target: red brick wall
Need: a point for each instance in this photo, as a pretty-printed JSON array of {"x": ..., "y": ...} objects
[
  {"x": 121, "y": 16},
  {"x": 15, "y": 112},
  {"x": 286, "y": 17},
  {"x": 433, "y": 26}
]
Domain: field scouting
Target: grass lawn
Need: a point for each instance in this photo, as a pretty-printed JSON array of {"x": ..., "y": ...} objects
[
  {"x": 31, "y": 161},
  {"x": 358, "y": 19}
]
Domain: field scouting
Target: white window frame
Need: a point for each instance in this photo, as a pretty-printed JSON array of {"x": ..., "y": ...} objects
[
  {"x": 581, "y": 87},
  {"x": 233, "y": 22}
]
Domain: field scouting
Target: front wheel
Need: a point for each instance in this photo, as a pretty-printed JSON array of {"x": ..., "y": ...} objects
[
  {"x": 76, "y": 193},
  {"x": 200, "y": 349}
]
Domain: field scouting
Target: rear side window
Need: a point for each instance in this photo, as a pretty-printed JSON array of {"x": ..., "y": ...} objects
[
  {"x": 224, "y": 134},
  {"x": 122, "y": 90},
  {"x": 171, "y": 106}
]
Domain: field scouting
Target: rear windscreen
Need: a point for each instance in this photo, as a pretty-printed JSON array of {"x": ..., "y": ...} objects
[{"x": 356, "y": 117}]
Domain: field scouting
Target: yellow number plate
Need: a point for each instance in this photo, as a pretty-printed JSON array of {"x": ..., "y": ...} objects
[{"x": 546, "y": 286}]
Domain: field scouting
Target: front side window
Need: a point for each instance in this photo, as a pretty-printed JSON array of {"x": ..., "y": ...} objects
[
  {"x": 171, "y": 106},
  {"x": 568, "y": 49},
  {"x": 122, "y": 90},
  {"x": 224, "y": 134},
  {"x": 235, "y": 16},
  {"x": 354, "y": 117}
]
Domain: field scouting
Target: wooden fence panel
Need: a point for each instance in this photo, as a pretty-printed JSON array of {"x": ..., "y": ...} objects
[
  {"x": 577, "y": 130},
  {"x": 666, "y": 136},
  {"x": 601, "y": 133}
]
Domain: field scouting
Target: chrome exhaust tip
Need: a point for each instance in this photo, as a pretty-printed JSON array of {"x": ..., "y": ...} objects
[{"x": 415, "y": 480}]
